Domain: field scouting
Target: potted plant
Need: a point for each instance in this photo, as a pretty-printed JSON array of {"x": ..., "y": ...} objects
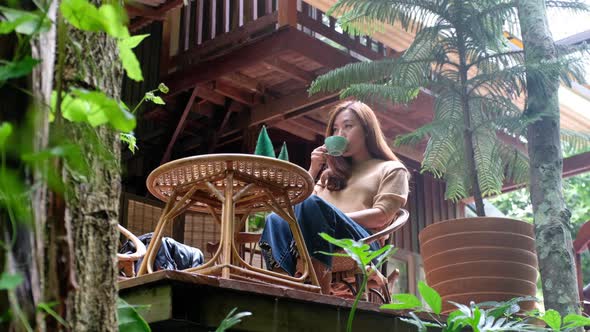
[{"x": 461, "y": 56}]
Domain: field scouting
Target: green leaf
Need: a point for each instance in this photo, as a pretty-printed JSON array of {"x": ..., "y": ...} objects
[
  {"x": 129, "y": 319},
  {"x": 18, "y": 68},
  {"x": 5, "y": 132},
  {"x": 163, "y": 88},
  {"x": 71, "y": 153},
  {"x": 573, "y": 320},
  {"x": 10, "y": 281},
  {"x": 131, "y": 141},
  {"x": 404, "y": 301},
  {"x": 114, "y": 20},
  {"x": 22, "y": 21},
  {"x": 431, "y": 297},
  {"x": 82, "y": 15},
  {"x": 158, "y": 100},
  {"x": 47, "y": 307},
  {"x": 231, "y": 319},
  {"x": 132, "y": 41},
  {"x": 102, "y": 109},
  {"x": 130, "y": 62},
  {"x": 552, "y": 318},
  {"x": 14, "y": 195}
]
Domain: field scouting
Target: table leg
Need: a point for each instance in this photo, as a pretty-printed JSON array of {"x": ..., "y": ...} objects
[
  {"x": 288, "y": 214},
  {"x": 172, "y": 210},
  {"x": 227, "y": 218},
  {"x": 161, "y": 222}
]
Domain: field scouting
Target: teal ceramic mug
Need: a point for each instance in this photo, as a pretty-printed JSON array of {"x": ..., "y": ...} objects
[{"x": 336, "y": 145}]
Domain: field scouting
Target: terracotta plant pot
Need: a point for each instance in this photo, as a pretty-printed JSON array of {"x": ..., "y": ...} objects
[{"x": 480, "y": 259}]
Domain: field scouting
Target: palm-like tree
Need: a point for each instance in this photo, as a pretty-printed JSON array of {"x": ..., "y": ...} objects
[{"x": 460, "y": 55}]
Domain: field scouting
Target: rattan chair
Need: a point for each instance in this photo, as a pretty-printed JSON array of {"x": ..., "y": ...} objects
[
  {"x": 127, "y": 261},
  {"x": 345, "y": 271}
]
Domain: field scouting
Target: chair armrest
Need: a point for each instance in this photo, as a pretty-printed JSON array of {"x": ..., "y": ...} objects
[
  {"x": 139, "y": 246},
  {"x": 397, "y": 223}
]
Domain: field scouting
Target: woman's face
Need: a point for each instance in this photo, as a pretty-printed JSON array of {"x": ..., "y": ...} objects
[{"x": 348, "y": 125}]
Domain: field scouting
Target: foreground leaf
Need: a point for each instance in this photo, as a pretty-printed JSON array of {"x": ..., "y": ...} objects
[
  {"x": 10, "y": 281},
  {"x": 17, "y": 69},
  {"x": 431, "y": 297},
  {"x": 404, "y": 301},
  {"x": 129, "y": 319},
  {"x": 231, "y": 319},
  {"x": 82, "y": 15}
]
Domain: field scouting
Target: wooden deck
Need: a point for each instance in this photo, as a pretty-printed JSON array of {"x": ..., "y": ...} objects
[{"x": 188, "y": 302}]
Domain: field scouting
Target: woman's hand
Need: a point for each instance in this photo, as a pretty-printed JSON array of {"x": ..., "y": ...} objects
[{"x": 318, "y": 159}]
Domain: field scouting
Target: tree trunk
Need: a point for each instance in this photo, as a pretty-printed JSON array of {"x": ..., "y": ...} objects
[
  {"x": 42, "y": 48},
  {"x": 92, "y": 205},
  {"x": 554, "y": 243}
]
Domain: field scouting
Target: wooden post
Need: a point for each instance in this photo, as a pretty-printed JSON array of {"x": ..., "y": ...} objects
[{"x": 288, "y": 13}]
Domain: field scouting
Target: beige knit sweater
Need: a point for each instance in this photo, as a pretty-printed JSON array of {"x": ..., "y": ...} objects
[{"x": 374, "y": 183}]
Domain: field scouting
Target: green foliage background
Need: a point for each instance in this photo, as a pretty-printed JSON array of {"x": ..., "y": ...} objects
[{"x": 517, "y": 204}]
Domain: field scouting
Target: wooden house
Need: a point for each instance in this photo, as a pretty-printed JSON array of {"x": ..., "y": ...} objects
[{"x": 234, "y": 65}]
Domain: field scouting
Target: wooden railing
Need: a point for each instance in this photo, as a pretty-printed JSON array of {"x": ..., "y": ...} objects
[{"x": 208, "y": 27}]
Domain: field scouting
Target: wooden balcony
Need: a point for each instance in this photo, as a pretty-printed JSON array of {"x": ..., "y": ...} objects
[{"x": 183, "y": 302}]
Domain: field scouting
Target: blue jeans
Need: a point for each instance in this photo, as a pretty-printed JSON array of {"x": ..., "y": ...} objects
[{"x": 314, "y": 215}]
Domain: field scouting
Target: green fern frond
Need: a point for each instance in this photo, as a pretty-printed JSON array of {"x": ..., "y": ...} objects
[
  {"x": 516, "y": 163},
  {"x": 358, "y": 16},
  {"x": 353, "y": 73},
  {"x": 447, "y": 107},
  {"x": 441, "y": 147},
  {"x": 497, "y": 60},
  {"x": 488, "y": 163},
  {"x": 370, "y": 92},
  {"x": 487, "y": 24},
  {"x": 574, "y": 6},
  {"x": 419, "y": 134},
  {"x": 458, "y": 184},
  {"x": 577, "y": 141},
  {"x": 509, "y": 82}
]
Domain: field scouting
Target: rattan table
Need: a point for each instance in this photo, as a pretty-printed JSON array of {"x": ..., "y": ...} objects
[{"x": 227, "y": 185}]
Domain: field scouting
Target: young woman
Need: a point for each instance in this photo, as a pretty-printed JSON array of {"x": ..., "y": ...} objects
[{"x": 357, "y": 194}]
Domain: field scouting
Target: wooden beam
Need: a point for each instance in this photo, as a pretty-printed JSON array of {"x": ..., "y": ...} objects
[
  {"x": 219, "y": 131},
  {"x": 179, "y": 127},
  {"x": 287, "y": 13},
  {"x": 144, "y": 11},
  {"x": 209, "y": 70},
  {"x": 296, "y": 130},
  {"x": 237, "y": 94},
  {"x": 207, "y": 92},
  {"x": 311, "y": 124},
  {"x": 290, "y": 70},
  {"x": 577, "y": 164},
  {"x": 159, "y": 11},
  {"x": 281, "y": 108},
  {"x": 243, "y": 81}
]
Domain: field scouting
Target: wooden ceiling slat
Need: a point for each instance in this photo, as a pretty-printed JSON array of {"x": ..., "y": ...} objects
[
  {"x": 205, "y": 91},
  {"x": 240, "y": 80},
  {"x": 242, "y": 96},
  {"x": 296, "y": 130},
  {"x": 290, "y": 70},
  {"x": 278, "y": 109}
]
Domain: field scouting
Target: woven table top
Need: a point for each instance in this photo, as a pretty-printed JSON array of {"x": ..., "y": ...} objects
[{"x": 286, "y": 182}]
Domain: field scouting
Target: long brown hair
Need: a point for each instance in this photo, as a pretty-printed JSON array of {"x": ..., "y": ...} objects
[{"x": 339, "y": 169}]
